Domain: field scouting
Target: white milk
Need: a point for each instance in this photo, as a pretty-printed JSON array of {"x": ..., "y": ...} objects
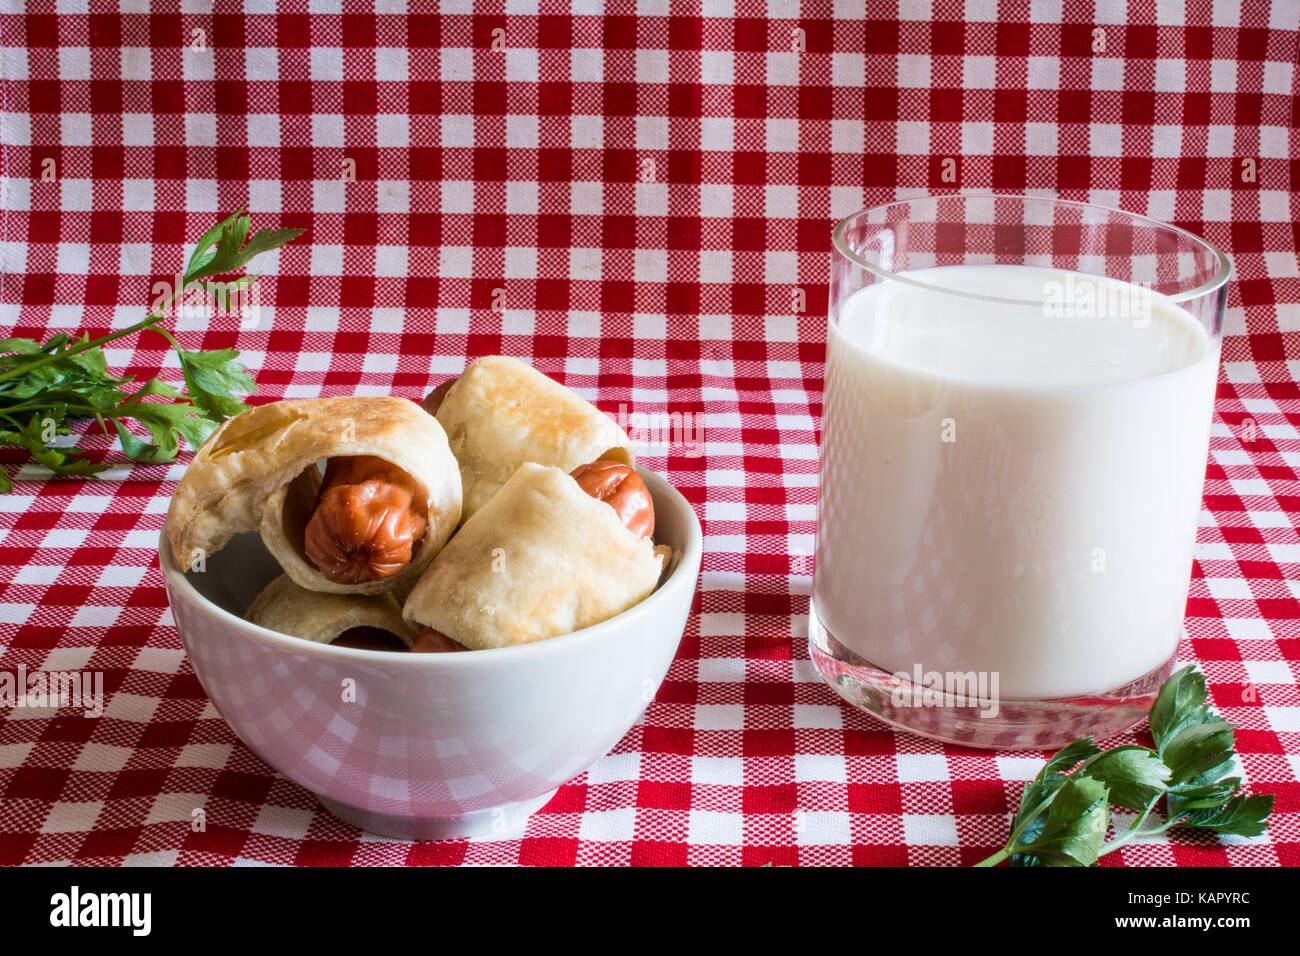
[{"x": 1006, "y": 491}]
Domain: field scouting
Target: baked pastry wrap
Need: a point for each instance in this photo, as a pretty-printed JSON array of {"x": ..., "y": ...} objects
[
  {"x": 502, "y": 412},
  {"x": 313, "y": 616},
  {"x": 258, "y": 472},
  {"x": 540, "y": 559}
]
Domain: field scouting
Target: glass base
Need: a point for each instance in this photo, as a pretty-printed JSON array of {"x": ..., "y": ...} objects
[{"x": 970, "y": 721}]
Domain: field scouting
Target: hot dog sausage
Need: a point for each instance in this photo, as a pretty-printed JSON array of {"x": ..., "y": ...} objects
[
  {"x": 433, "y": 401},
  {"x": 369, "y": 639},
  {"x": 367, "y": 520},
  {"x": 435, "y": 642},
  {"x": 622, "y": 489},
  {"x": 617, "y": 485}
]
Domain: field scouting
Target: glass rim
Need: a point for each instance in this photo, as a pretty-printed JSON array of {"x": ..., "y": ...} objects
[{"x": 839, "y": 243}]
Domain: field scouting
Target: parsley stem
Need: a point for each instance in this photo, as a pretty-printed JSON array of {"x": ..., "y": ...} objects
[
  {"x": 1135, "y": 831},
  {"x": 152, "y": 319},
  {"x": 996, "y": 858},
  {"x": 78, "y": 409}
]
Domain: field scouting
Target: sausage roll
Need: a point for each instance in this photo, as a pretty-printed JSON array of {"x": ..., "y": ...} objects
[
  {"x": 540, "y": 559},
  {"x": 388, "y": 501},
  {"x": 285, "y": 607},
  {"x": 501, "y": 413}
]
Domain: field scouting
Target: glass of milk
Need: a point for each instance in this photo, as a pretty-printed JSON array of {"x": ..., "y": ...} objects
[{"x": 1017, "y": 416}]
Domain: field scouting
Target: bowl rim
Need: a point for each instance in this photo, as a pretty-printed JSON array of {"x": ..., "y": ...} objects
[{"x": 691, "y": 555}]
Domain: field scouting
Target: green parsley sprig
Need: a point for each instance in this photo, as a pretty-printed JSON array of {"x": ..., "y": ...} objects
[
  {"x": 1064, "y": 813},
  {"x": 45, "y": 387}
]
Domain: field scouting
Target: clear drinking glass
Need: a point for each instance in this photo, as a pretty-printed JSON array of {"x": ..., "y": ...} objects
[{"x": 1018, "y": 402}]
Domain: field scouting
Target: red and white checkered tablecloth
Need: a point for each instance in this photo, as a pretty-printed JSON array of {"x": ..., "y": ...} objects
[{"x": 631, "y": 195}]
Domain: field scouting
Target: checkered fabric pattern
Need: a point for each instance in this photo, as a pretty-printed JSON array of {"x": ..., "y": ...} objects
[{"x": 636, "y": 197}]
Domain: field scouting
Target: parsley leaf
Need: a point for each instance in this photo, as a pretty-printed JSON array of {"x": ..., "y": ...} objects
[
  {"x": 1063, "y": 816},
  {"x": 1198, "y": 748},
  {"x": 1242, "y": 815},
  {"x": 1074, "y": 827},
  {"x": 214, "y": 379},
  {"x": 1135, "y": 775},
  {"x": 1033, "y": 819},
  {"x": 46, "y": 387}
]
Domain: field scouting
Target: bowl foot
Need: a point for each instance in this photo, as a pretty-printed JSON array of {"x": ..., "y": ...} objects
[{"x": 503, "y": 821}]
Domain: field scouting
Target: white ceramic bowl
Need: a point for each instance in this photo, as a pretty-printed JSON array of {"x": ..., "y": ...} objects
[{"x": 431, "y": 746}]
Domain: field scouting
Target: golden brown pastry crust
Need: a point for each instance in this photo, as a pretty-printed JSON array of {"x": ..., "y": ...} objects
[
  {"x": 245, "y": 472},
  {"x": 285, "y": 607},
  {"x": 502, "y": 413},
  {"x": 540, "y": 559}
]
